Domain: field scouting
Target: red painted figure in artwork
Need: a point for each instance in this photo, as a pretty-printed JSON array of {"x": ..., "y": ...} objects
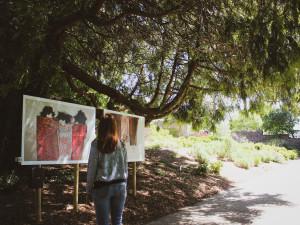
[
  {"x": 78, "y": 135},
  {"x": 64, "y": 135},
  {"x": 79, "y": 132},
  {"x": 47, "y": 139}
]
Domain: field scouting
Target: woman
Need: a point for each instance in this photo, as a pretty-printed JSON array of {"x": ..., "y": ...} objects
[{"x": 107, "y": 173}]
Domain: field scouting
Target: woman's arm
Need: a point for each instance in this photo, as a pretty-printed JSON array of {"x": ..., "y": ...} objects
[
  {"x": 92, "y": 167},
  {"x": 125, "y": 159}
]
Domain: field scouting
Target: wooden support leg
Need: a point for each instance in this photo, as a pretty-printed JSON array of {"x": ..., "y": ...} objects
[
  {"x": 76, "y": 187},
  {"x": 134, "y": 179}
]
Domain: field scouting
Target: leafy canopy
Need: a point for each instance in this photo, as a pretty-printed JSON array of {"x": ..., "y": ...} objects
[
  {"x": 152, "y": 57},
  {"x": 149, "y": 57}
]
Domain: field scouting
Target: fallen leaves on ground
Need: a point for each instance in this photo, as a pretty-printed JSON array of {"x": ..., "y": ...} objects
[{"x": 165, "y": 183}]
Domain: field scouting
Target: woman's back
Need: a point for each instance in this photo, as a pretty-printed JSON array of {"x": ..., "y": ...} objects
[
  {"x": 112, "y": 166},
  {"x": 107, "y": 166}
]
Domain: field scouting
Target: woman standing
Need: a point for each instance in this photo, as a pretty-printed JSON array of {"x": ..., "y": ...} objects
[{"x": 107, "y": 173}]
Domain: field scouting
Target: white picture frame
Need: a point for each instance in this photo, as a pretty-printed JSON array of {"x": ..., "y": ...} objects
[
  {"x": 61, "y": 136},
  {"x": 135, "y": 138}
]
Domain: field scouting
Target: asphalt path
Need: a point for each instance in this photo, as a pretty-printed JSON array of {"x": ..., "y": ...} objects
[{"x": 267, "y": 195}]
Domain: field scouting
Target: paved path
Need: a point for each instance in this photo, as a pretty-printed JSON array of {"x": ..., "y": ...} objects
[{"x": 268, "y": 195}]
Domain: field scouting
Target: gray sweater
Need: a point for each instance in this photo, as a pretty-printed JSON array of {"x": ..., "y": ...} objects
[{"x": 106, "y": 167}]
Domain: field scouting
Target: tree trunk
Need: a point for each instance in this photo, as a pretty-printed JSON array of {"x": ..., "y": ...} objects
[{"x": 11, "y": 128}]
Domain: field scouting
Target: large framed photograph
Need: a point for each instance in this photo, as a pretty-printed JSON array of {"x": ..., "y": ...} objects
[
  {"x": 131, "y": 132},
  {"x": 55, "y": 132}
]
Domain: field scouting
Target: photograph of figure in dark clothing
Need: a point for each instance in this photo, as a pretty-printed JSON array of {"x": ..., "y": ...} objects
[
  {"x": 130, "y": 129},
  {"x": 127, "y": 128}
]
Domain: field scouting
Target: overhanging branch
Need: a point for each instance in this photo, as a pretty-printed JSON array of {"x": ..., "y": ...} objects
[
  {"x": 134, "y": 105},
  {"x": 93, "y": 83},
  {"x": 89, "y": 96}
]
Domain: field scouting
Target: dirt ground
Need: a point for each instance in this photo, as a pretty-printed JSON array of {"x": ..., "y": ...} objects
[{"x": 165, "y": 183}]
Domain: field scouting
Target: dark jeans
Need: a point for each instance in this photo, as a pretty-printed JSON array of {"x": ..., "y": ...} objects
[{"x": 110, "y": 199}]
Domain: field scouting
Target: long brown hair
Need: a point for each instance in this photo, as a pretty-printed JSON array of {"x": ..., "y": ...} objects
[{"x": 107, "y": 134}]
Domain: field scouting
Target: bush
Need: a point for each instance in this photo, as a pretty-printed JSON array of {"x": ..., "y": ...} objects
[
  {"x": 207, "y": 149},
  {"x": 8, "y": 181},
  {"x": 243, "y": 122},
  {"x": 215, "y": 167},
  {"x": 202, "y": 157},
  {"x": 279, "y": 122},
  {"x": 202, "y": 169}
]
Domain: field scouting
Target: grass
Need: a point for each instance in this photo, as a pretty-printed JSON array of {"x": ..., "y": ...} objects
[{"x": 209, "y": 151}]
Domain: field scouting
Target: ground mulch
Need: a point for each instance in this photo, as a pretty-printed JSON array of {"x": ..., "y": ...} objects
[{"x": 166, "y": 182}]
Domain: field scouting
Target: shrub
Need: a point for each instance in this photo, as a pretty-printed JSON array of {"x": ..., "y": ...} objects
[
  {"x": 215, "y": 167},
  {"x": 257, "y": 161},
  {"x": 279, "y": 122},
  {"x": 206, "y": 149},
  {"x": 202, "y": 169},
  {"x": 242, "y": 163},
  {"x": 202, "y": 157},
  {"x": 8, "y": 181},
  {"x": 288, "y": 154},
  {"x": 243, "y": 122}
]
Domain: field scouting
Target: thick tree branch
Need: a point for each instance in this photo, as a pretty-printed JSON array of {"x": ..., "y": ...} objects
[
  {"x": 134, "y": 89},
  {"x": 168, "y": 88},
  {"x": 57, "y": 28},
  {"x": 91, "y": 98},
  {"x": 91, "y": 82},
  {"x": 132, "y": 104},
  {"x": 183, "y": 89},
  {"x": 157, "y": 89}
]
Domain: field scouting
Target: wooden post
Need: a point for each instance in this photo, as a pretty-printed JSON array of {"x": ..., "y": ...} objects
[
  {"x": 39, "y": 205},
  {"x": 134, "y": 178},
  {"x": 76, "y": 187},
  {"x": 38, "y": 193}
]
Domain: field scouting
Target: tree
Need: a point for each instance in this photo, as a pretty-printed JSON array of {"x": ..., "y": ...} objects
[
  {"x": 279, "y": 122},
  {"x": 250, "y": 122},
  {"x": 148, "y": 57}
]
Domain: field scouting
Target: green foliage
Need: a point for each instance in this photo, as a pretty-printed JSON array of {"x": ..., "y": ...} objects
[
  {"x": 160, "y": 138},
  {"x": 160, "y": 172},
  {"x": 208, "y": 151},
  {"x": 130, "y": 47},
  {"x": 203, "y": 111},
  {"x": 8, "y": 181},
  {"x": 279, "y": 122},
  {"x": 251, "y": 122},
  {"x": 202, "y": 169},
  {"x": 215, "y": 167},
  {"x": 148, "y": 57},
  {"x": 61, "y": 177}
]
